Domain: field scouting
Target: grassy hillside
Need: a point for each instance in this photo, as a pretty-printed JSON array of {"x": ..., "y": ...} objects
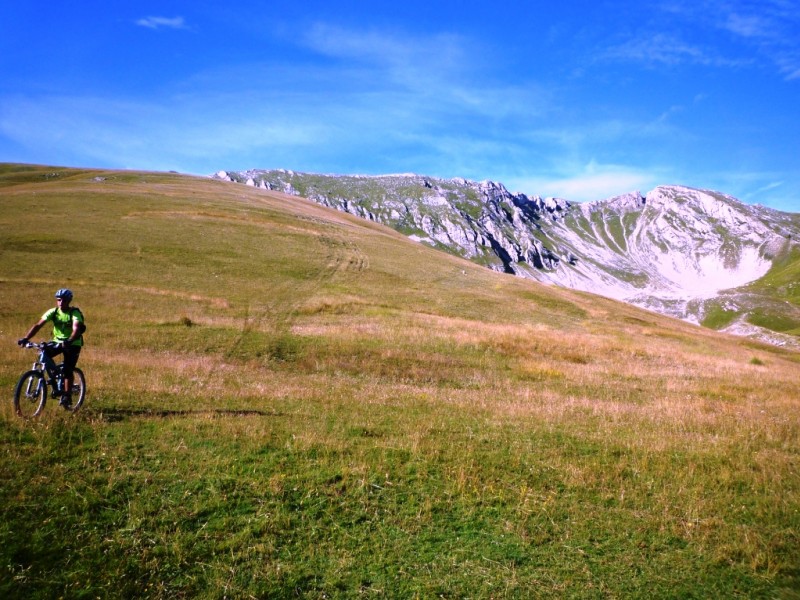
[{"x": 286, "y": 401}]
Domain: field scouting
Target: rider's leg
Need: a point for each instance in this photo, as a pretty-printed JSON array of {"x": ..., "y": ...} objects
[{"x": 71, "y": 354}]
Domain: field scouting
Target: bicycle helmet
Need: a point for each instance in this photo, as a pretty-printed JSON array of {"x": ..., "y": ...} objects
[{"x": 64, "y": 293}]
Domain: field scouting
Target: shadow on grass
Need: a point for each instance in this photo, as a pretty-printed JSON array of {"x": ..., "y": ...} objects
[{"x": 115, "y": 415}]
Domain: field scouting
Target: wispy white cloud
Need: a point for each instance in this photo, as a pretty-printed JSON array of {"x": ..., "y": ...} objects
[
  {"x": 386, "y": 48},
  {"x": 761, "y": 29},
  {"x": 770, "y": 186},
  {"x": 747, "y": 25},
  {"x": 792, "y": 70},
  {"x": 162, "y": 134},
  {"x": 771, "y": 26},
  {"x": 779, "y": 190},
  {"x": 443, "y": 70},
  {"x": 435, "y": 92},
  {"x": 669, "y": 49},
  {"x": 159, "y": 22},
  {"x": 592, "y": 181}
]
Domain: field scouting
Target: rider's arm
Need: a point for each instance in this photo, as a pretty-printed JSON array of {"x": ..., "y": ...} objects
[
  {"x": 37, "y": 326},
  {"x": 76, "y": 332}
]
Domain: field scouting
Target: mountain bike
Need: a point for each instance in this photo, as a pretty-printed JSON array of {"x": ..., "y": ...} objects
[{"x": 31, "y": 392}]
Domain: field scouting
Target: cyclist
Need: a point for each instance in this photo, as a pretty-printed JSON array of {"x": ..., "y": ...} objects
[{"x": 67, "y": 335}]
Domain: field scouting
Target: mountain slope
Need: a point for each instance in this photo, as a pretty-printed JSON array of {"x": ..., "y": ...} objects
[
  {"x": 674, "y": 250},
  {"x": 288, "y": 401}
]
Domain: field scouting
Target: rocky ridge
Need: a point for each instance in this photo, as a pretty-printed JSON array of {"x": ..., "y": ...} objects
[{"x": 680, "y": 251}]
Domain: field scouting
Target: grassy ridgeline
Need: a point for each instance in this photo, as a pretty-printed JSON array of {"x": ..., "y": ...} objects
[{"x": 286, "y": 401}]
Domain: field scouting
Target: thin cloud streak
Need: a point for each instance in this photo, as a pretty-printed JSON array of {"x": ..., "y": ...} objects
[
  {"x": 159, "y": 22},
  {"x": 669, "y": 50}
]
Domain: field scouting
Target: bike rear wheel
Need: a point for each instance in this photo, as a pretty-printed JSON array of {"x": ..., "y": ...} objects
[
  {"x": 30, "y": 394},
  {"x": 78, "y": 390}
]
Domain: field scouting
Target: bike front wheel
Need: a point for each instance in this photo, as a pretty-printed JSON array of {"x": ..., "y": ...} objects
[
  {"x": 30, "y": 394},
  {"x": 78, "y": 390}
]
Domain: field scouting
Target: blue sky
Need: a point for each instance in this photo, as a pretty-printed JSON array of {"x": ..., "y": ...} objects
[{"x": 582, "y": 100}]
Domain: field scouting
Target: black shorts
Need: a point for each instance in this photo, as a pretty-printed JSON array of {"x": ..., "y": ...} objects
[{"x": 71, "y": 354}]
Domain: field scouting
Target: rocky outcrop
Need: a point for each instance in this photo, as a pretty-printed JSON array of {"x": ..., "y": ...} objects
[
  {"x": 671, "y": 250},
  {"x": 479, "y": 221}
]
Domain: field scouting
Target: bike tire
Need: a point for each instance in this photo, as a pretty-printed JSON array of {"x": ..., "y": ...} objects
[
  {"x": 78, "y": 390},
  {"x": 30, "y": 394}
]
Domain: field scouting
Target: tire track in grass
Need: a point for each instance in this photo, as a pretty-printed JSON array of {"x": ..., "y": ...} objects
[
  {"x": 279, "y": 314},
  {"x": 113, "y": 415}
]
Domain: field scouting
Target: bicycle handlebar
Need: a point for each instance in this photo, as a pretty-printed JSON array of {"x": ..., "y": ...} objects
[{"x": 40, "y": 345}]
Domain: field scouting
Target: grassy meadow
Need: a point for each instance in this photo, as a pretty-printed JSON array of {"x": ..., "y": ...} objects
[{"x": 288, "y": 402}]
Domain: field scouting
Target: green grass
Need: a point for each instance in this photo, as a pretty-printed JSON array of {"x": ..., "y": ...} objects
[
  {"x": 783, "y": 279},
  {"x": 286, "y": 401},
  {"x": 617, "y": 231},
  {"x": 776, "y": 320},
  {"x": 717, "y": 316}
]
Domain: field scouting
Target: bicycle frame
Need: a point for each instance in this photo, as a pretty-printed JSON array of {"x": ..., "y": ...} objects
[
  {"x": 46, "y": 365},
  {"x": 55, "y": 378}
]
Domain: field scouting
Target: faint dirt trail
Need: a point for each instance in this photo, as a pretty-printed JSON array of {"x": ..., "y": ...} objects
[{"x": 342, "y": 257}]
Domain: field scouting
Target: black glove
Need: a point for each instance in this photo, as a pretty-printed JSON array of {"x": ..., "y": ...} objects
[{"x": 22, "y": 341}]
